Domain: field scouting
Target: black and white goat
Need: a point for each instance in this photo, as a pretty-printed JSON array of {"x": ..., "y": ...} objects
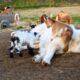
[
  {"x": 18, "y": 38},
  {"x": 21, "y": 40}
]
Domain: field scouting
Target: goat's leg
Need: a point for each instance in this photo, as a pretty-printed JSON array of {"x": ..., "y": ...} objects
[
  {"x": 50, "y": 51},
  {"x": 37, "y": 58},
  {"x": 20, "y": 54},
  {"x": 11, "y": 55},
  {"x": 30, "y": 50},
  {"x": 11, "y": 50},
  {"x": 18, "y": 49},
  {"x": 56, "y": 44}
]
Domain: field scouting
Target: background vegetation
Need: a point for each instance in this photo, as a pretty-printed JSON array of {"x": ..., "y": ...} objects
[
  {"x": 67, "y": 3},
  {"x": 38, "y": 3},
  {"x": 27, "y": 4}
]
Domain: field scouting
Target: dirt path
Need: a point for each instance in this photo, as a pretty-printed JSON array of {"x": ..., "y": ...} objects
[
  {"x": 50, "y": 11},
  {"x": 64, "y": 67}
]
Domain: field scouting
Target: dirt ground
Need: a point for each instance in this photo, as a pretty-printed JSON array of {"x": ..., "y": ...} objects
[
  {"x": 75, "y": 11},
  {"x": 63, "y": 67}
]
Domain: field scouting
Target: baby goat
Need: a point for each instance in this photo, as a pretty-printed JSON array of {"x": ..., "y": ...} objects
[{"x": 21, "y": 40}]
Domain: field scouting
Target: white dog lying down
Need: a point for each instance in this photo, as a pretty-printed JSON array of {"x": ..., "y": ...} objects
[{"x": 21, "y": 40}]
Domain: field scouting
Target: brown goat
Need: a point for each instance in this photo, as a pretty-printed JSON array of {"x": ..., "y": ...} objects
[
  {"x": 66, "y": 33},
  {"x": 64, "y": 17}
]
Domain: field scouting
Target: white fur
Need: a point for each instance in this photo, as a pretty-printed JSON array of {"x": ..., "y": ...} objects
[
  {"x": 40, "y": 28},
  {"x": 25, "y": 37},
  {"x": 28, "y": 37},
  {"x": 76, "y": 32},
  {"x": 16, "y": 18},
  {"x": 50, "y": 43},
  {"x": 74, "y": 45},
  {"x": 53, "y": 46},
  {"x": 44, "y": 40}
]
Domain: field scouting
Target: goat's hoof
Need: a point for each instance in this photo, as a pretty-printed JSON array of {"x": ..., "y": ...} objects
[
  {"x": 45, "y": 64},
  {"x": 20, "y": 55},
  {"x": 33, "y": 61},
  {"x": 11, "y": 55}
]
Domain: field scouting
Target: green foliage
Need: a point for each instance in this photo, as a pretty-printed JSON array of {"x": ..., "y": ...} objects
[
  {"x": 19, "y": 28},
  {"x": 22, "y": 4},
  {"x": 34, "y": 19},
  {"x": 66, "y": 3},
  {"x": 76, "y": 19}
]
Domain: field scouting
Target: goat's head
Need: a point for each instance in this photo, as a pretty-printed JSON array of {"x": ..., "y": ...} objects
[
  {"x": 64, "y": 29},
  {"x": 32, "y": 26},
  {"x": 64, "y": 17},
  {"x": 37, "y": 36},
  {"x": 49, "y": 22}
]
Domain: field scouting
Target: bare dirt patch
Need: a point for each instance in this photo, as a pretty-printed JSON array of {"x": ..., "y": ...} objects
[
  {"x": 64, "y": 67},
  {"x": 49, "y": 11}
]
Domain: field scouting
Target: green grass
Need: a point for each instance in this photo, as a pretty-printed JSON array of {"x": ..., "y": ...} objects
[
  {"x": 19, "y": 28},
  {"x": 36, "y": 20},
  {"x": 62, "y": 3},
  {"x": 28, "y": 4},
  {"x": 25, "y": 4},
  {"x": 76, "y": 20}
]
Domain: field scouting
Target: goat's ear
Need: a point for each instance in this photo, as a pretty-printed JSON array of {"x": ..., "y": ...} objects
[
  {"x": 32, "y": 26},
  {"x": 45, "y": 18}
]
